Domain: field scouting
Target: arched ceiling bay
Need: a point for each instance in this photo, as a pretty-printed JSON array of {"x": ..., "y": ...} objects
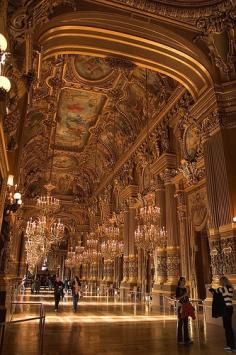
[{"x": 86, "y": 113}]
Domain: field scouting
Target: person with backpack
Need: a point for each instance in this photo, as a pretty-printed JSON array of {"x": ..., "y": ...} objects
[{"x": 222, "y": 307}]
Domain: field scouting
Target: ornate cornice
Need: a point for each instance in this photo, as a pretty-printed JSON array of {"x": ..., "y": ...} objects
[{"x": 180, "y": 11}]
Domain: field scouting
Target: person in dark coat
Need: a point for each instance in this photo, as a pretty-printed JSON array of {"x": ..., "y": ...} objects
[
  {"x": 225, "y": 310},
  {"x": 75, "y": 289},
  {"x": 182, "y": 297},
  {"x": 58, "y": 292}
]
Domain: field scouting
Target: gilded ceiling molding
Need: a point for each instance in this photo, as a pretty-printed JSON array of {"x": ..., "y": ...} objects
[
  {"x": 103, "y": 35},
  {"x": 217, "y": 32},
  {"x": 180, "y": 11},
  {"x": 32, "y": 15},
  {"x": 173, "y": 101}
]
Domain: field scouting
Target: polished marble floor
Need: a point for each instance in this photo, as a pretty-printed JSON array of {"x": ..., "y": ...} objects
[{"x": 105, "y": 326}]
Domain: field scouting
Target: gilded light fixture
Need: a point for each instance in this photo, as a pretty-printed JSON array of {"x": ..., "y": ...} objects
[
  {"x": 49, "y": 204},
  {"x": 149, "y": 234},
  {"x": 13, "y": 196},
  {"x": 5, "y": 84}
]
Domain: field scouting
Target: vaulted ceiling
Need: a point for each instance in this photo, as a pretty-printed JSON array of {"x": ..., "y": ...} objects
[{"x": 86, "y": 113}]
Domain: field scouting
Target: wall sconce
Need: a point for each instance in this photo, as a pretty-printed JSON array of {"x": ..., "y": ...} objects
[
  {"x": 234, "y": 219},
  {"x": 13, "y": 197},
  {"x": 3, "y": 46},
  {"x": 10, "y": 180},
  {"x": 3, "y": 43},
  {"x": 5, "y": 84}
]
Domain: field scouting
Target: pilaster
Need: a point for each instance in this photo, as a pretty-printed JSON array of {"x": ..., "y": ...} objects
[{"x": 173, "y": 259}]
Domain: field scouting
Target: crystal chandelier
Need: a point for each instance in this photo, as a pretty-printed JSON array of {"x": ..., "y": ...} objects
[
  {"x": 90, "y": 255},
  {"x": 46, "y": 229},
  {"x": 43, "y": 228},
  {"x": 111, "y": 229},
  {"x": 33, "y": 252},
  {"x": 149, "y": 214},
  {"x": 149, "y": 235},
  {"x": 112, "y": 248},
  {"x": 92, "y": 244},
  {"x": 48, "y": 204},
  {"x": 41, "y": 234},
  {"x": 34, "y": 229}
]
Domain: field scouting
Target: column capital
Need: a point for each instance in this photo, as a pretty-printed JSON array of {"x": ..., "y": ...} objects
[
  {"x": 167, "y": 175},
  {"x": 211, "y": 124}
]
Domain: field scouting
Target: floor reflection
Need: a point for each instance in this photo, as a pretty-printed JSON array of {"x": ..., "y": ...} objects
[{"x": 101, "y": 327}]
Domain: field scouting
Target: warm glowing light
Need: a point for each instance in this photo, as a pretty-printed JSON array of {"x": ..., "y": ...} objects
[
  {"x": 3, "y": 43},
  {"x": 17, "y": 196},
  {"x": 234, "y": 219},
  {"x": 10, "y": 180},
  {"x": 5, "y": 83}
]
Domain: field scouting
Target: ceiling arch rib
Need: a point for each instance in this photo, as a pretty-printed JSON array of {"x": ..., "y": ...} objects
[{"x": 156, "y": 48}]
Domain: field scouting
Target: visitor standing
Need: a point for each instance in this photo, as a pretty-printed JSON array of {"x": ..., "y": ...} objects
[
  {"x": 75, "y": 289},
  {"x": 226, "y": 291},
  {"x": 58, "y": 292},
  {"x": 182, "y": 298}
]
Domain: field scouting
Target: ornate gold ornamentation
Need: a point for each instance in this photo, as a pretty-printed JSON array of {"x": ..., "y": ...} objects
[
  {"x": 191, "y": 172},
  {"x": 167, "y": 175},
  {"x": 173, "y": 264},
  {"x": 212, "y": 124},
  {"x": 213, "y": 26},
  {"x": 185, "y": 12},
  {"x": 198, "y": 208}
]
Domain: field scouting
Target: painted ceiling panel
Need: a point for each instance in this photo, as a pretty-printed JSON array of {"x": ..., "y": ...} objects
[
  {"x": 99, "y": 110},
  {"x": 91, "y": 68},
  {"x": 64, "y": 162},
  {"x": 78, "y": 111}
]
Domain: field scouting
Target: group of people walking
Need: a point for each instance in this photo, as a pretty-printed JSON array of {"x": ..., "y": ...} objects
[
  {"x": 222, "y": 300},
  {"x": 59, "y": 292}
]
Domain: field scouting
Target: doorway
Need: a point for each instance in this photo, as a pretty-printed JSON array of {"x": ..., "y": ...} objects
[{"x": 202, "y": 263}]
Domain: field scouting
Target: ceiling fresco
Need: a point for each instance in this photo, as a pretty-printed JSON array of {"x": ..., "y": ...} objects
[
  {"x": 96, "y": 111},
  {"x": 91, "y": 68},
  {"x": 77, "y": 113},
  {"x": 64, "y": 162},
  {"x": 33, "y": 126}
]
